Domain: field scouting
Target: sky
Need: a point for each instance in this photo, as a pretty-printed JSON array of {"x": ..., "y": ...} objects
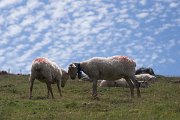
[{"x": 66, "y": 31}]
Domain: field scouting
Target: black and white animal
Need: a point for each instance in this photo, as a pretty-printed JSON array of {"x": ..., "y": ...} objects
[
  {"x": 144, "y": 70},
  {"x": 110, "y": 68}
]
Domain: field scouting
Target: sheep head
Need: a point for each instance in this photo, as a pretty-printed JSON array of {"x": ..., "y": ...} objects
[
  {"x": 65, "y": 77},
  {"x": 72, "y": 71},
  {"x": 75, "y": 69}
]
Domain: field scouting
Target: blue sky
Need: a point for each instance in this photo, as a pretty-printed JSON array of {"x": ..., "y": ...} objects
[{"x": 67, "y": 31}]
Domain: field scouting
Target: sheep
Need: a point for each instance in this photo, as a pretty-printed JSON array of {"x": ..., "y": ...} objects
[
  {"x": 121, "y": 83},
  {"x": 47, "y": 72},
  {"x": 110, "y": 68},
  {"x": 146, "y": 77},
  {"x": 143, "y": 79},
  {"x": 144, "y": 70},
  {"x": 107, "y": 83}
]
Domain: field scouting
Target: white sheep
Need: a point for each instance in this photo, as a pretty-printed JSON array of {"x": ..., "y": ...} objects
[
  {"x": 146, "y": 77},
  {"x": 107, "y": 83},
  {"x": 47, "y": 72},
  {"x": 121, "y": 83},
  {"x": 111, "y": 68}
]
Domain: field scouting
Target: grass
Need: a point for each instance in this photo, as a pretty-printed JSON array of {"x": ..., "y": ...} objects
[{"x": 161, "y": 101}]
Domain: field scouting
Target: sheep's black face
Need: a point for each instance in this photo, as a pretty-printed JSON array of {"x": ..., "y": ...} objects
[{"x": 72, "y": 71}]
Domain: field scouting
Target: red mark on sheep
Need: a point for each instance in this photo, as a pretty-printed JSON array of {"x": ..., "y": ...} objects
[
  {"x": 124, "y": 58},
  {"x": 41, "y": 60}
]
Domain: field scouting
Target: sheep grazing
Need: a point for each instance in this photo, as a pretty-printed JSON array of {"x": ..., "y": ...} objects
[
  {"x": 47, "y": 72},
  {"x": 121, "y": 83},
  {"x": 146, "y": 77},
  {"x": 111, "y": 68},
  {"x": 65, "y": 77},
  {"x": 144, "y": 70}
]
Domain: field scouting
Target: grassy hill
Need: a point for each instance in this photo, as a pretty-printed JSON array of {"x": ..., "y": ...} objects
[{"x": 161, "y": 101}]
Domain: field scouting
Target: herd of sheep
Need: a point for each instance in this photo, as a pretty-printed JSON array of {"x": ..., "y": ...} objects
[{"x": 116, "y": 71}]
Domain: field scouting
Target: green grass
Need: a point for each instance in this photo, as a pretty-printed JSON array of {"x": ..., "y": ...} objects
[{"x": 161, "y": 101}]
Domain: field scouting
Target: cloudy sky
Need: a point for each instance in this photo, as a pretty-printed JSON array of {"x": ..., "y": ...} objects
[{"x": 68, "y": 31}]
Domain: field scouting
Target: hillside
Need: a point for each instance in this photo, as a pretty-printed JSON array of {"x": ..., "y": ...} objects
[{"x": 161, "y": 101}]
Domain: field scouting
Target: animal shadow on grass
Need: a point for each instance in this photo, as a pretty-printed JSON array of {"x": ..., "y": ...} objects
[
  {"x": 35, "y": 98},
  {"x": 8, "y": 85},
  {"x": 40, "y": 98}
]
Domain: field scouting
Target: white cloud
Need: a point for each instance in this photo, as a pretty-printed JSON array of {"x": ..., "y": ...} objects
[
  {"x": 33, "y": 37},
  {"x": 154, "y": 56},
  {"x": 129, "y": 51},
  {"x": 142, "y": 15},
  {"x": 133, "y": 24},
  {"x": 173, "y": 5},
  {"x": 123, "y": 11},
  {"x": 163, "y": 28},
  {"x": 142, "y": 2},
  {"x": 28, "y": 20},
  {"x": 138, "y": 47},
  {"x": 15, "y": 13},
  {"x": 42, "y": 25},
  {"x": 13, "y": 30},
  {"x": 1, "y": 20},
  {"x": 33, "y": 49},
  {"x": 170, "y": 44},
  {"x": 6, "y": 3},
  {"x": 3, "y": 41},
  {"x": 139, "y": 34},
  {"x": 162, "y": 61},
  {"x": 33, "y": 4}
]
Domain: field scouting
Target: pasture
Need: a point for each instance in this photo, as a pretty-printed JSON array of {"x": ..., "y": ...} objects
[{"x": 161, "y": 101}]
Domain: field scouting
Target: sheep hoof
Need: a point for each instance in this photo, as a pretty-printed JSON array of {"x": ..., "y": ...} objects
[
  {"x": 30, "y": 97},
  {"x": 95, "y": 98}
]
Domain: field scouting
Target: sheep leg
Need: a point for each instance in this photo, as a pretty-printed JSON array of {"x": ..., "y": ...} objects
[
  {"x": 48, "y": 93},
  {"x": 131, "y": 86},
  {"x": 31, "y": 86},
  {"x": 59, "y": 89},
  {"x": 137, "y": 86},
  {"x": 49, "y": 90},
  {"x": 94, "y": 92}
]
